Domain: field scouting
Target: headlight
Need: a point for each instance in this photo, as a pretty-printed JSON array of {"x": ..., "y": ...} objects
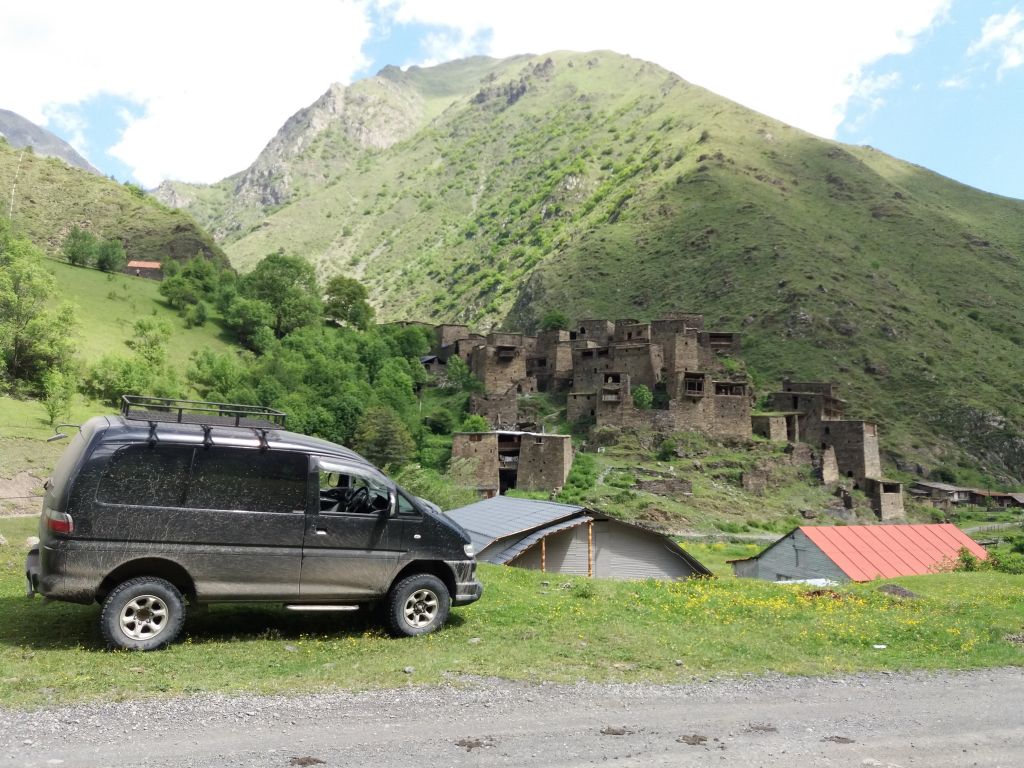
[{"x": 468, "y": 549}]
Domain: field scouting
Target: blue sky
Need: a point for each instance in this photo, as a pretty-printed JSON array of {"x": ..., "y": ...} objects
[{"x": 936, "y": 82}]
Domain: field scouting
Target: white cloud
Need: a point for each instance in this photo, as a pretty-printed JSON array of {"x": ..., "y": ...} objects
[
  {"x": 800, "y": 61},
  {"x": 1005, "y": 34},
  {"x": 216, "y": 79},
  {"x": 955, "y": 82}
]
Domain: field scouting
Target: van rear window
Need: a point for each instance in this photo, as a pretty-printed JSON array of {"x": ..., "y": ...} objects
[
  {"x": 146, "y": 476},
  {"x": 256, "y": 481}
]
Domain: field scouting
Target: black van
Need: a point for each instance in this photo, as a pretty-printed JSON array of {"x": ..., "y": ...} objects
[{"x": 177, "y": 500}]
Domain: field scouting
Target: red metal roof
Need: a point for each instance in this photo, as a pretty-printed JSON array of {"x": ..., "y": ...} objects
[
  {"x": 143, "y": 265},
  {"x": 865, "y": 552}
]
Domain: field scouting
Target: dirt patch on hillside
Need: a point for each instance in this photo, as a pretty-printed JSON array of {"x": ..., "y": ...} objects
[{"x": 20, "y": 495}]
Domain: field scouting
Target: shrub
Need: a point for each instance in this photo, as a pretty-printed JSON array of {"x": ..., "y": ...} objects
[
  {"x": 474, "y": 422},
  {"x": 643, "y": 398},
  {"x": 667, "y": 450}
]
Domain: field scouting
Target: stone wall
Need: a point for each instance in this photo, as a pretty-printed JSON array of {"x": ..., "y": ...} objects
[
  {"x": 886, "y": 498},
  {"x": 501, "y": 411},
  {"x": 544, "y": 462},
  {"x": 447, "y": 335},
  {"x": 499, "y": 368},
  {"x": 481, "y": 450},
  {"x": 581, "y": 405},
  {"x": 770, "y": 427},
  {"x": 856, "y": 446},
  {"x": 598, "y": 331}
]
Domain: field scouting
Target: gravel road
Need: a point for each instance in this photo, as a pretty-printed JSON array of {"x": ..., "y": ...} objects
[{"x": 921, "y": 719}]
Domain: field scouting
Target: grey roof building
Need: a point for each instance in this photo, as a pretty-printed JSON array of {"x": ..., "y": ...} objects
[{"x": 564, "y": 538}]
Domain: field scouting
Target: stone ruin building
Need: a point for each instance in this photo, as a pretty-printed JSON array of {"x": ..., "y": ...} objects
[
  {"x": 599, "y": 363},
  {"x": 506, "y": 459},
  {"x": 812, "y": 412},
  {"x": 697, "y": 381}
]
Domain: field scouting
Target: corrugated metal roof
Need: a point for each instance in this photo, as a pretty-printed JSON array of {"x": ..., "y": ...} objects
[
  {"x": 491, "y": 519},
  {"x": 507, "y": 554},
  {"x": 939, "y": 486},
  {"x": 143, "y": 265},
  {"x": 865, "y": 552}
]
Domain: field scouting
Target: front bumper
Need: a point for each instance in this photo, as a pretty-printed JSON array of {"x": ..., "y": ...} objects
[{"x": 32, "y": 572}]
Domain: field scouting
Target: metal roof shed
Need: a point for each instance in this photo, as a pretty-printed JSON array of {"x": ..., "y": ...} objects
[
  {"x": 859, "y": 552},
  {"x": 564, "y": 538}
]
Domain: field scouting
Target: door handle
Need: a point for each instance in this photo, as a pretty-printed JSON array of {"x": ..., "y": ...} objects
[{"x": 321, "y": 532}]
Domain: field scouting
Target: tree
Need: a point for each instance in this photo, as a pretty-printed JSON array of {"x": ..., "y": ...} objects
[
  {"x": 110, "y": 256},
  {"x": 287, "y": 285},
  {"x": 554, "y": 320},
  {"x": 58, "y": 389},
  {"x": 80, "y": 247},
  {"x": 643, "y": 398},
  {"x": 33, "y": 338},
  {"x": 460, "y": 377},
  {"x": 150, "y": 339},
  {"x": 345, "y": 300},
  {"x": 383, "y": 438},
  {"x": 250, "y": 318}
]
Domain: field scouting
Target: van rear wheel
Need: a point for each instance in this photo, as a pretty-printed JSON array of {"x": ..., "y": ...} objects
[
  {"x": 417, "y": 605},
  {"x": 142, "y": 614}
]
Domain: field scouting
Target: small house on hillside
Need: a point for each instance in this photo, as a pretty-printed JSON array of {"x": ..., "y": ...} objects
[
  {"x": 151, "y": 269},
  {"x": 939, "y": 494},
  {"x": 563, "y": 538},
  {"x": 859, "y": 553}
]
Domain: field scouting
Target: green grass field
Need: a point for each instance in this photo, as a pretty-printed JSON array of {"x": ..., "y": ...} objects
[
  {"x": 109, "y": 304},
  {"x": 528, "y": 626}
]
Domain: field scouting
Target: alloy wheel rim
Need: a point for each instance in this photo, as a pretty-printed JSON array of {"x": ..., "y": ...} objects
[
  {"x": 421, "y": 608},
  {"x": 143, "y": 617}
]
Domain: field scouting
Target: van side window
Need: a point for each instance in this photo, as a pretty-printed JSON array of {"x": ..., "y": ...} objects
[
  {"x": 405, "y": 506},
  {"x": 146, "y": 476},
  {"x": 254, "y": 481}
]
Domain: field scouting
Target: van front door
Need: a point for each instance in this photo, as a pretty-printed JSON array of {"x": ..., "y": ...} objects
[{"x": 352, "y": 545}]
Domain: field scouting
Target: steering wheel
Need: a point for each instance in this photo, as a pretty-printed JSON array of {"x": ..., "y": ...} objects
[{"x": 359, "y": 500}]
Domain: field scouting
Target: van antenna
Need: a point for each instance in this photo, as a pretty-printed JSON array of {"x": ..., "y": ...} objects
[
  {"x": 207, "y": 436},
  {"x": 153, "y": 439},
  {"x": 264, "y": 445}
]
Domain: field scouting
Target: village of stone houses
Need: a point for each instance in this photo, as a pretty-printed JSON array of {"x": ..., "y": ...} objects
[{"x": 622, "y": 380}]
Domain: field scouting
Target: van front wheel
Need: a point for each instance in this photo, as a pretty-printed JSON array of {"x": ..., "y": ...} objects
[
  {"x": 142, "y": 614},
  {"x": 417, "y": 605}
]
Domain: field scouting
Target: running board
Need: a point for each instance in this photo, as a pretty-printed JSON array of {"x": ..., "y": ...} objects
[{"x": 301, "y": 607}]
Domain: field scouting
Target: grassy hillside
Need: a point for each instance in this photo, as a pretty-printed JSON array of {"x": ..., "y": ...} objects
[
  {"x": 51, "y": 197},
  {"x": 107, "y": 305},
  {"x": 604, "y": 186}
]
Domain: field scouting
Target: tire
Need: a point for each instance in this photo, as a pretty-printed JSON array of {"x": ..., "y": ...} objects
[
  {"x": 142, "y": 614},
  {"x": 417, "y": 605}
]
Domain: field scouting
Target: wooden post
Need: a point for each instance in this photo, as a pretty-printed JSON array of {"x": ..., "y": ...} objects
[
  {"x": 543, "y": 554},
  {"x": 590, "y": 548}
]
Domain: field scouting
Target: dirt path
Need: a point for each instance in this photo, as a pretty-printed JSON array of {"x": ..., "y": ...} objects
[{"x": 921, "y": 719}]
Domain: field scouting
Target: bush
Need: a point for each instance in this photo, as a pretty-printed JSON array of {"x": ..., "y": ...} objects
[
  {"x": 667, "y": 450},
  {"x": 474, "y": 422},
  {"x": 643, "y": 398}
]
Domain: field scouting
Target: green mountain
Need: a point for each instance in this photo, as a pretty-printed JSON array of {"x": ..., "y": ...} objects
[
  {"x": 490, "y": 191},
  {"x": 46, "y": 198},
  {"x": 21, "y": 132}
]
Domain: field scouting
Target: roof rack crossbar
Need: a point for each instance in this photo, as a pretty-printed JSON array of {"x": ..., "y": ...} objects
[{"x": 208, "y": 413}]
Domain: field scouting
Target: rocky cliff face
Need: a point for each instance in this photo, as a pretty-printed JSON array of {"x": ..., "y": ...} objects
[
  {"x": 313, "y": 147},
  {"x": 20, "y": 132}
]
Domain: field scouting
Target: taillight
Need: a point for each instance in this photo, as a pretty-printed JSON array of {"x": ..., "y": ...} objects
[{"x": 59, "y": 522}]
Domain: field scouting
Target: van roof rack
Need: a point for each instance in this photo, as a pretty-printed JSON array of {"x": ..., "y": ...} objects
[{"x": 176, "y": 411}]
